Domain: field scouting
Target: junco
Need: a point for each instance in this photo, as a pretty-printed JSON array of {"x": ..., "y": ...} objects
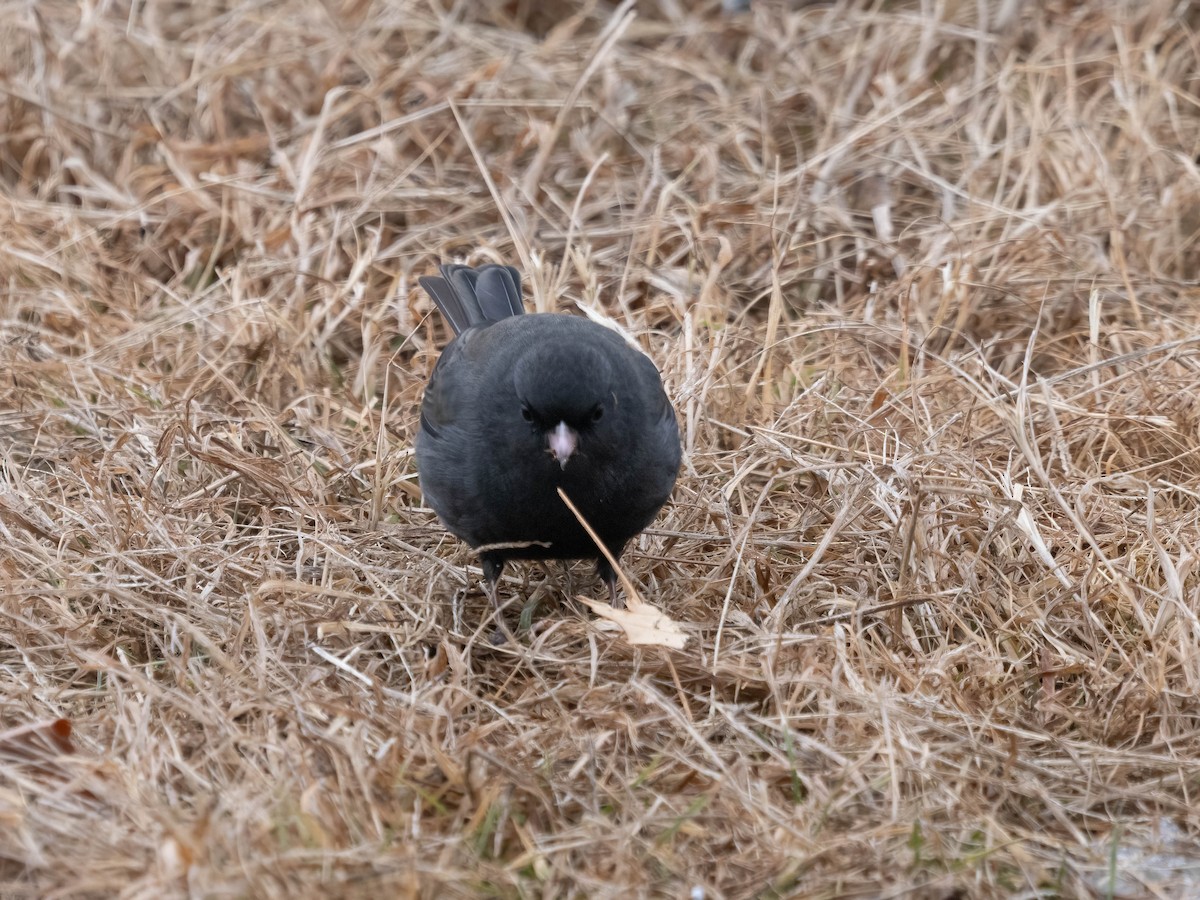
[{"x": 519, "y": 406}]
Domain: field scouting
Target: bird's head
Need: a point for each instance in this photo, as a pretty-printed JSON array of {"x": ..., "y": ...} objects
[{"x": 565, "y": 397}]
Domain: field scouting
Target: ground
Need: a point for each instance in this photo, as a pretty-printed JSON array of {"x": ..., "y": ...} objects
[{"x": 921, "y": 281}]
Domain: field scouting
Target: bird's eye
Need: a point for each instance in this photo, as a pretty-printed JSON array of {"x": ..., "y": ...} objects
[
  {"x": 597, "y": 413},
  {"x": 526, "y": 413}
]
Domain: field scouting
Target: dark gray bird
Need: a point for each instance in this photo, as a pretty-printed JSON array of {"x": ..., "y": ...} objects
[{"x": 519, "y": 406}]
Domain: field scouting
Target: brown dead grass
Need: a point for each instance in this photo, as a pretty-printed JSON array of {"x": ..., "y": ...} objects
[{"x": 923, "y": 288}]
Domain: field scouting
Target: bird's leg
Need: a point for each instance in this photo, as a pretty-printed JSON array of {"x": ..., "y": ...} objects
[
  {"x": 492, "y": 566},
  {"x": 614, "y": 599},
  {"x": 609, "y": 574}
]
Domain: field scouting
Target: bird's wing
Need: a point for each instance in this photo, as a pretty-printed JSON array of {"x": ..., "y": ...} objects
[
  {"x": 449, "y": 387},
  {"x": 458, "y": 378}
]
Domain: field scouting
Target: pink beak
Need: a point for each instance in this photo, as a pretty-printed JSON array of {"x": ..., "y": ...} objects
[{"x": 563, "y": 442}]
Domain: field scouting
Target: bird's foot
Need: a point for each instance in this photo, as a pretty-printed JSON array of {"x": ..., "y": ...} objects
[{"x": 499, "y": 633}]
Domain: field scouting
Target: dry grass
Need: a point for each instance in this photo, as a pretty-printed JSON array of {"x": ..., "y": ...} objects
[{"x": 922, "y": 287}]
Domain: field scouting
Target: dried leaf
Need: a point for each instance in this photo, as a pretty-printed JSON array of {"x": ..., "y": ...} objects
[{"x": 642, "y": 623}]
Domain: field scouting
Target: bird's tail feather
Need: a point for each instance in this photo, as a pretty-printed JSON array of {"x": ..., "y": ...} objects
[{"x": 470, "y": 297}]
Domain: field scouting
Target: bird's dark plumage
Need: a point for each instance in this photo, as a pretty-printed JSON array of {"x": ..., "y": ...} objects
[{"x": 519, "y": 406}]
